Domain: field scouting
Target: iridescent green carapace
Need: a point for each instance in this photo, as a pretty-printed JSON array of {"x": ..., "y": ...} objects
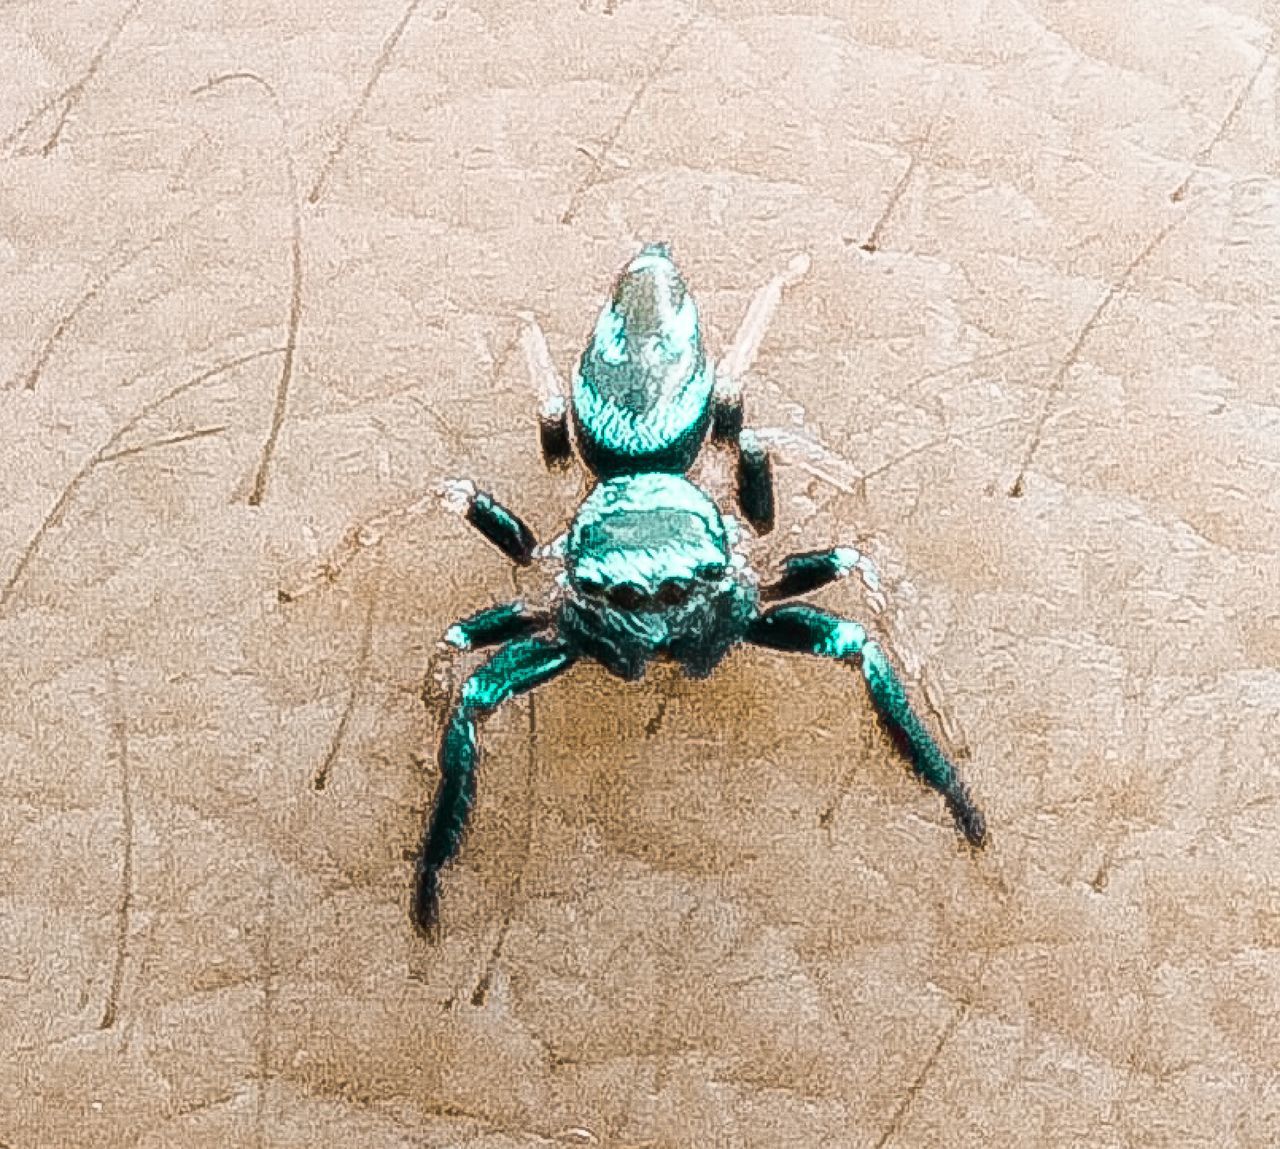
[
  {"x": 650, "y": 571},
  {"x": 642, "y": 391},
  {"x": 649, "y": 566}
]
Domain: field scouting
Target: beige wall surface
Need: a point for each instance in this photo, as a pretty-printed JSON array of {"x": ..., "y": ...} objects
[{"x": 261, "y": 273}]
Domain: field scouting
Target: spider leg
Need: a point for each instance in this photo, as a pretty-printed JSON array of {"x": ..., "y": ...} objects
[
  {"x": 553, "y": 406},
  {"x": 496, "y": 624},
  {"x": 520, "y": 665},
  {"x": 885, "y": 593},
  {"x": 754, "y": 470},
  {"x": 487, "y": 627},
  {"x": 504, "y": 528},
  {"x": 737, "y": 361},
  {"x": 811, "y": 631},
  {"x": 755, "y": 483},
  {"x": 726, "y": 416},
  {"x": 499, "y": 525},
  {"x": 807, "y": 571}
]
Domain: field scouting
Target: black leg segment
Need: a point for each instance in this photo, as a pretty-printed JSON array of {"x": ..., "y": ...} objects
[
  {"x": 726, "y": 418},
  {"x": 755, "y": 483},
  {"x": 519, "y": 666},
  {"x": 553, "y": 435},
  {"x": 807, "y": 571},
  {"x": 501, "y": 527},
  {"x": 810, "y": 631}
]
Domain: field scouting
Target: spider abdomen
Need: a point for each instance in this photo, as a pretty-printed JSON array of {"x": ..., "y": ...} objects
[{"x": 643, "y": 388}]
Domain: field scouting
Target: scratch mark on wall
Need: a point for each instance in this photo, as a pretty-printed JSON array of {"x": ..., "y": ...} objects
[
  {"x": 481, "y": 993},
  {"x": 321, "y": 779},
  {"x": 487, "y": 1124},
  {"x": 124, "y": 905},
  {"x": 1203, "y": 154},
  {"x": 606, "y": 145},
  {"x": 203, "y": 1105},
  {"x": 663, "y": 1050},
  {"x": 263, "y": 1050},
  {"x": 1047, "y": 407},
  {"x": 908, "y": 1099},
  {"x": 61, "y": 326},
  {"x": 170, "y": 441},
  {"x": 66, "y": 99},
  {"x": 853, "y": 763},
  {"x": 872, "y": 243},
  {"x": 917, "y": 150},
  {"x": 280, "y": 408},
  {"x": 59, "y": 509},
  {"x": 654, "y": 724},
  {"x": 380, "y": 64},
  {"x": 946, "y": 439}
]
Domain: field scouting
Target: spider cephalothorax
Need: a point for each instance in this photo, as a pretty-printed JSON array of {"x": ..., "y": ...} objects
[
  {"x": 650, "y": 567},
  {"x": 650, "y": 571}
]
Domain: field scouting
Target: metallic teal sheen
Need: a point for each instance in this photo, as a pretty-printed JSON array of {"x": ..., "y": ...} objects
[
  {"x": 493, "y": 625},
  {"x": 650, "y": 569},
  {"x": 651, "y": 573},
  {"x": 519, "y": 666},
  {"x": 642, "y": 391},
  {"x": 641, "y": 529}
]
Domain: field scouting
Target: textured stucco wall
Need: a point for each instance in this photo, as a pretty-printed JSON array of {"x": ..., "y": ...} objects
[{"x": 260, "y": 272}]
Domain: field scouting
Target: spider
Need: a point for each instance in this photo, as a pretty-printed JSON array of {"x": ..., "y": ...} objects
[{"x": 651, "y": 568}]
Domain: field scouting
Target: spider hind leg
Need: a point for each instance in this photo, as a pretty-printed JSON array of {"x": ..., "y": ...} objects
[
  {"x": 755, "y": 483},
  {"x": 517, "y": 667},
  {"x": 754, "y": 467},
  {"x": 553, "y": 437},
  {"x": 755, "y": 471},
  {"x": 553, "y": 407},
  {"x": 807, "y": 630}
]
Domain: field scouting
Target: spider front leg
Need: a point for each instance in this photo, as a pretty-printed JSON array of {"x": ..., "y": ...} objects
[
  {"x": 504, "y": 528},
  {"x": 886, "y": 595},
  {"x": 754, "y": 470},
  {"x": 496, "y": 624},
  {"x": 806, "y": 571},
  {"x": 519, "y": 666},
  {"x": 804, "y": 629},
  {"x": 488, "y": 627}
]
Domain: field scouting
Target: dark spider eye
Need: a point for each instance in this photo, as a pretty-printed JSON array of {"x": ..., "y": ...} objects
[
  {"x": 626, "y": 597},
  {"x": 672, "y": 593},
  {"x": 591, "y": 588},
  {"x": 710, "y": 572}
]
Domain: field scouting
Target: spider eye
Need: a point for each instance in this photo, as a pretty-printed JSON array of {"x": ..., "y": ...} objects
[
  {"x": 710, "y": 572},
  {"x": 673, "y": 593},
  {"x": 626, "y": 597},
  {"x": 591, "y": 588}
]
